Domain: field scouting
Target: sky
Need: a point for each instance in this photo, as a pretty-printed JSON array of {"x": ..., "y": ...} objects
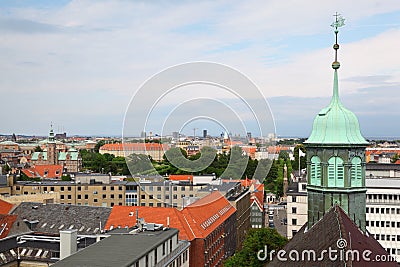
[{"x": 79, "y": 64}]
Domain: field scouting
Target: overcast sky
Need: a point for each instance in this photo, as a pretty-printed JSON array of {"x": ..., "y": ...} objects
[{"x": 78, "y": 63}]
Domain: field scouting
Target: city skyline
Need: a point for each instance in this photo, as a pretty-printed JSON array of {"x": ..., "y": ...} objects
[{"x": 78, "y": 63}]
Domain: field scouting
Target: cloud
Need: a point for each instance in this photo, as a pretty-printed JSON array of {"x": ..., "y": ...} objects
[{"x": 69, "y": 62}]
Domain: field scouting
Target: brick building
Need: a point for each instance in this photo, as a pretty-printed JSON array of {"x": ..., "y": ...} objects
[
  {"x": 209, "y": 225},
  {"x": 51, "y": 155}
]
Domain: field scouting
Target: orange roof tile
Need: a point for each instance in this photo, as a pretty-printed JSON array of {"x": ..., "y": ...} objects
[
  {"x": 126, "y": 216},
  {"x": 259, "y": 193},
  {"x": 181, "y": 177},
  {"x": 195, "y": 221},
  {"x": 6, "y": 222},
  {"x": 206, "y": 214},
  {"x": 47, "y": 171},
  {"x": 5, "y": 207}
]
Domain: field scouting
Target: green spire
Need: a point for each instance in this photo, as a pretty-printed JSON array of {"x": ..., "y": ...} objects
[{"x": 335, "y": 124}]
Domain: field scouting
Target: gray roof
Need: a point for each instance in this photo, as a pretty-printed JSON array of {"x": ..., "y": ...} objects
[
  {"x": 382, "y": 166},
  {"x": 223, "y": 187},
  {"x": 382, "y": 183},
  {"x": 3, "y": 180},
  {"x": 118, "y": 250},
  {"x": 51, "y": 218}
]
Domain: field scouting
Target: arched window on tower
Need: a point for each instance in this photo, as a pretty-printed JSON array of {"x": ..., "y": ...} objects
[
  {"x": 356, "y": 172},
  {"x": 315, "y": 171},
  {"x": 335, "y": 172}
]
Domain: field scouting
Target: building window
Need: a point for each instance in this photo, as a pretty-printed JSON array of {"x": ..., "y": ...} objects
[
  {"x": 62, "y": 188},
  {"x": 315, "y": 169},
  {"x": 104, "y": 196},
  {"x": 293, "y": 198},
  {"x": 356, "y": 172},
  {"x": 294, "y": 221},
  {"x": 335, "y": 172},
  {"x": 79, "y": 197},
  {"x": 294, "y": 210},
  {"x": 79, "y": 188},
  {"x": 120, "y": 196},
  {"x": 86, "y": 196},
  {"x": 69, "y": 188},
  {"x": 95, "y": 200}
]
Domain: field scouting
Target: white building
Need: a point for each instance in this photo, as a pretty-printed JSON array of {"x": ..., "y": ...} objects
[{"x": 296, "y": 207}]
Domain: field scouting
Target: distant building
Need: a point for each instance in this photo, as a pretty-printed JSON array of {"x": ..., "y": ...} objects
[
  {"x": 70, "y": 160},
  {"x": 154, "y": 150}
]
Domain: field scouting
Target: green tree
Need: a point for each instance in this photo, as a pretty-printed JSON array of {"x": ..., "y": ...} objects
[
  {"x": 255, "y": 241},
  {"x": 98, "y": 145},
  {"x": 283, "y": 154},
  {"x": 38, "y": 149}
]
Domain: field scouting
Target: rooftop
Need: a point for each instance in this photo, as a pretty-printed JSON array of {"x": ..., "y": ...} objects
[
  {"x": 195, "y": 221},
  {"x": 5, "y": 207},
  {"x": 130, "y": 248},
  {"x": 51, "y": 218},
  {"x": 324, "y": 235}
]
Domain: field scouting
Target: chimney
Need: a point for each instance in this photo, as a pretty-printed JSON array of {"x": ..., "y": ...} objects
[
  {"x": 68, "y": 243},
  {"x": 10, "y": 180}
]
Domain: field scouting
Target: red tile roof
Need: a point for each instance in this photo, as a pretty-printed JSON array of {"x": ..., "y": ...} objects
[
  {"x": 126, "y": 216},
  {"x": 53, "y": 171},
  {"x": 6, "y": 222},
  {"x": 206, "y": 214},
  {"x": 5, "y": 207},
  {"x": 258, "y": 194},
  {"x": 195, "y": 221},
  {"x": 181, "y": 177}
]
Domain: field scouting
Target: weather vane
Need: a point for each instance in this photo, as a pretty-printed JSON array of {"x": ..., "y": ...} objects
[{"x": 339, "y": 21}]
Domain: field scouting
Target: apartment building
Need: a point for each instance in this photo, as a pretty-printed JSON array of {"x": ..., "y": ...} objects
[
  {"x": 100, "y": 195},
  {"x": 209, "y": 224},
  {"x": 296, "y": 207}
]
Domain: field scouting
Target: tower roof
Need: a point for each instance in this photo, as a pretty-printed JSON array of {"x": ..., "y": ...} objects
[{"x": 335, "y": 124}]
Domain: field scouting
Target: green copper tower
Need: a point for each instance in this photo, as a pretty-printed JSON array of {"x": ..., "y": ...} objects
[{"x": 336, "y": 157}]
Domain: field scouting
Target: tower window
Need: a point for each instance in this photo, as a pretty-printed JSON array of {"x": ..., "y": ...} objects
[
  {"x": 356, "y": 172},
  {"x": 335, "y": 172},
  {"x": 315, "y": 171}
]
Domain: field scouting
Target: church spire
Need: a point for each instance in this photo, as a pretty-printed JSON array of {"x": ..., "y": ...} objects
[
  {"x": 51, "y": 134},
  {"x": 339, "y": 22}
]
